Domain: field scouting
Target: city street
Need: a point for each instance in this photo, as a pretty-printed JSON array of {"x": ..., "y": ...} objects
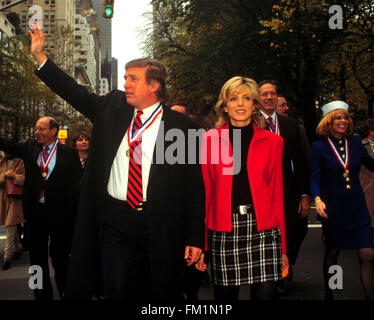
[{"x": 307, "y": 284}]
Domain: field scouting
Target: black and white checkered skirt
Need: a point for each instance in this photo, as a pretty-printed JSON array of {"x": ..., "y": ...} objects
[{"x": 244, "y": 255}]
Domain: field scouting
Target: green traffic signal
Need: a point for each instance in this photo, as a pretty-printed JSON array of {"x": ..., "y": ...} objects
[{"x": 108, "y": 11}]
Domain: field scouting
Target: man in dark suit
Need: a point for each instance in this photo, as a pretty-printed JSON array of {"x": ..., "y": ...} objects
[
  {"x": 50, "y": 198},
  {"x": 295, "y": 171},
  {"x": 140, "y": 212}
]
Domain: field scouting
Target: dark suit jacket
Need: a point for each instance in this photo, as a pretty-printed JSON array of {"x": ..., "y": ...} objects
[
  {"x": 298, "y": 178},
  {"x": 60, "y": 189},
  {"x": 295, "y": 181},
  {"x": 175, "y": 194},
  {"x": 327, "y": 181}
]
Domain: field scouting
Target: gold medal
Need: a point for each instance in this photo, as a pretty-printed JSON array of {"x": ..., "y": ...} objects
[
  {"x": 345, "y": 174},
  {"x": 341, "y": 149},
  {"x": 44, "y": 174},
  {"x": 128, "y": 153}
]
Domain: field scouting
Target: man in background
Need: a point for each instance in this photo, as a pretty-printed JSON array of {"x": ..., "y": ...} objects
[
  {"x": 50, "y": 198},
  {"x": 295, "y": 172}
]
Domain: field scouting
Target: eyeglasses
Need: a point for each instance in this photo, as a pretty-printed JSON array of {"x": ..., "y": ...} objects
[
  {"x": 283, "y": 105},
  {"x": 40, "y": 129}
]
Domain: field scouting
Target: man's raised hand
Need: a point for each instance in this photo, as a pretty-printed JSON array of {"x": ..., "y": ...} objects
[{"x": 37, "y": 44}]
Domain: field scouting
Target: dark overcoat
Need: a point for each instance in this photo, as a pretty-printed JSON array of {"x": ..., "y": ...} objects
[
  {"x": 175, "y": 194},
  {"x": 295, "y": 183},
  {"x": 61, "y": 189}
]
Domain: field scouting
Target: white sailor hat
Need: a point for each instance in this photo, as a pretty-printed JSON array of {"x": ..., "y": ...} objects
[{"x": 334, "y": 106}]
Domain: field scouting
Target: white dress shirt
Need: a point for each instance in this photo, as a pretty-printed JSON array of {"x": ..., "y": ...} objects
[
  {"x": 273, "y": 117},
  {"x": 117, "y": 185}
]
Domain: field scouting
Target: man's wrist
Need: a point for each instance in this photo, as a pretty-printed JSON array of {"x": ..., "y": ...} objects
[{"x": 40, "y": 58}]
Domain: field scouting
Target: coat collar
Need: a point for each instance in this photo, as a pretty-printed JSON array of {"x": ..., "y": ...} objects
[{"x": 258, "y": 134}]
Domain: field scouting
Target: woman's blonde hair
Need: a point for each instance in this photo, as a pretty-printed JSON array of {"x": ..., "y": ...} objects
[
  {"x": 324, "y": 127},
  {"x": 236, "y": 85}
]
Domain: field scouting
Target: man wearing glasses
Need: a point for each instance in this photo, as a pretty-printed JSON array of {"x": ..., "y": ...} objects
[
  {"x": 282, "y": 107},
  {"x": 50, "y": 197}
]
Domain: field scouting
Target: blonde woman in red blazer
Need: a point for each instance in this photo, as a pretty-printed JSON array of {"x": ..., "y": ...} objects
[{"x": 242, "y": 169}]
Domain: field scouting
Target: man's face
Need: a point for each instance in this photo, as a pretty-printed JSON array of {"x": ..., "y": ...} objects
[
  {"x": 269, "y": 98},
  {"x": 139, "y": 93},
  {"x": 44, "y": 135},
  {"x": 181, "y": 109},
  {"x": 282, "y": 107}
]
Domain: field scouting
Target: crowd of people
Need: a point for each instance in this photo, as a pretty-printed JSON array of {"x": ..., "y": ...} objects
[{"x": 119, "y": 224}]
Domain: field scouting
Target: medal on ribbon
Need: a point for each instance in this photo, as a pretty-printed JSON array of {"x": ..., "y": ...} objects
[
  {"x": 133, "y": 136},
  {"x": 45, "y": 163},
  {"x": 343, "y": 160}
]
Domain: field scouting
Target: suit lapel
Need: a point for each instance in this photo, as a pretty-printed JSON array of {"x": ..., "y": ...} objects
[
  {"x": 282, "y": 127},
  {"x": 161, "y": 145},
  {"x": 120, "y": 121},
  {"x": 59, "y": 161},
  {"x": 36, "y": 152}
]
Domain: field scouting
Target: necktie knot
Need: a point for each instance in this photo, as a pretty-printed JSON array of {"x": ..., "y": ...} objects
[
  {"x": 45, "y": 153},
  {"x": 138, "y": 120}
]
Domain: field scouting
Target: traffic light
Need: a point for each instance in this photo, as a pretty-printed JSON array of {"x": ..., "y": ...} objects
[{"x": 108, "y": 9}]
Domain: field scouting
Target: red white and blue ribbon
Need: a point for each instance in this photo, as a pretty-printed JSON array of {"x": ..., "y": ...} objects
[
  {"x": 343, "y": 162},
  {"x": 276, "y": 125},
  {"x": 133, "y": 136},
  {"x": 44, "y": 164}
]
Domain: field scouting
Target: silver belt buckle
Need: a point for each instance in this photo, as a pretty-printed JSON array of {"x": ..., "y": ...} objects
[{"x": 243, "y": 210}]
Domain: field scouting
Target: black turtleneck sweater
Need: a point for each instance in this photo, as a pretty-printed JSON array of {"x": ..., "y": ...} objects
[{"x": 241, "y": 192}]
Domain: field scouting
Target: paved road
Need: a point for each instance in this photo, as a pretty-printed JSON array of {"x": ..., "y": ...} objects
[{"x": 307, "y": 285}]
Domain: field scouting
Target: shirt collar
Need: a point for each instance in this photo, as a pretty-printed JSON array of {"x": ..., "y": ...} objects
[
  {"x": 273, "y": 116},
  {"x": 51, "y": 145},
  {"x": 148, "y": 111}
]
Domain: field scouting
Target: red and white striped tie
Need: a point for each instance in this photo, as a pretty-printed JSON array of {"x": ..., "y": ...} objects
[
  {"x": 135, "y": 184},
  {"x": 271, "y": 124}
]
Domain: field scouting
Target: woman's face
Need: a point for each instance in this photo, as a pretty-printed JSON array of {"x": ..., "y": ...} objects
[
  {"x": 239, "y": 108},
  {"x": 339, "y": 124},
  {"x": 82, "y": 144}
]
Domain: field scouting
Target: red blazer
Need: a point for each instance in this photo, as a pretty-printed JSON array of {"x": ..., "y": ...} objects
[{"x": 264, "y": 166}]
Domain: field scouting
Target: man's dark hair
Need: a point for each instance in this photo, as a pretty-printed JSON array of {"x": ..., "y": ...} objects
[
  {"x": 263, "y": 82},
  {"x": 155, "y": 71},
  {"x": 54, "y": 124},
  {"x": 83, "y": 134},
  {"x": 182, "y": 104}
]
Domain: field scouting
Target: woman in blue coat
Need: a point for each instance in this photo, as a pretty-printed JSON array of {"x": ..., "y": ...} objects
[{"x": 340, "y": 202}]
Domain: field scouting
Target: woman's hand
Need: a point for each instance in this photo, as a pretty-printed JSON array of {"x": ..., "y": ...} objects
[
  {"x": 285, "y": 264},
  {"x": 320, "y": 207},
  {"x": 201, "y": 265}
]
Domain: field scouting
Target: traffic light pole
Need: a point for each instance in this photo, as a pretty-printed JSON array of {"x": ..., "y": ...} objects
[{"x": 11, "y": 5}]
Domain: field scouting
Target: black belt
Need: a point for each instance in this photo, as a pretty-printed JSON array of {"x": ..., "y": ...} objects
[
  {"x": 243, "y": 209},
  {"x": 139, "y": 208}
]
